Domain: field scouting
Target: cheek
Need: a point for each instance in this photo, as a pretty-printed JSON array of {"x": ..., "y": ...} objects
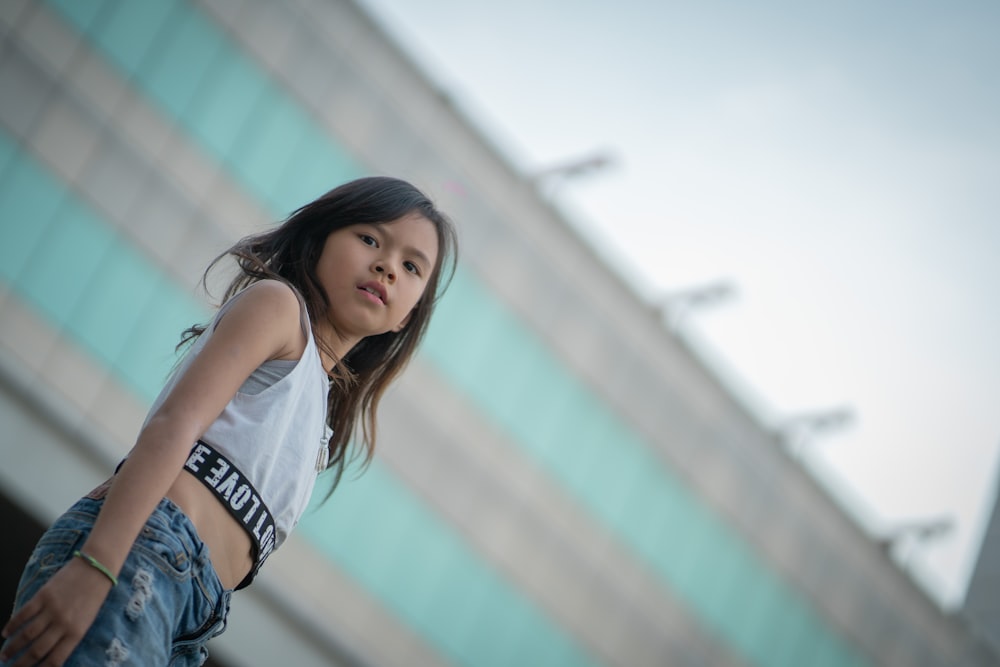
[
  {"x": 408, "y": 305},
  {"x": 414, "y": 291}
]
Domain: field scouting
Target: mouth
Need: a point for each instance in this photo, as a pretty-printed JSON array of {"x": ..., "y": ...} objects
[{"x": 375, "y": 290}]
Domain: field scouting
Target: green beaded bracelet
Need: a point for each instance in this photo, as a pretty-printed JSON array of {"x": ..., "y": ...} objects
[{"x": 94, "y": 563}]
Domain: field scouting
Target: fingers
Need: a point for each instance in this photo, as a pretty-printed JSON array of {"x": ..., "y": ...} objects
[
  {"x": 19, "y": 632},
  {"x": 18, "y": 619},
  {"x": 43, "y": 643},
  {"x": 39, "y": 634},
  {"x": 51, "y": 654},
  {"x": 51, "y": 624},
  {"x": 37, "y": 652},
  {"x": 61, "y": 652},
  {"x": 34, "y": 639}
]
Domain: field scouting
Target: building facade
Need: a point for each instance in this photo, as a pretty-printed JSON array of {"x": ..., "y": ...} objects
[
  {"x": 982, "y": 599},
  {"x": 559, "y": 481}
]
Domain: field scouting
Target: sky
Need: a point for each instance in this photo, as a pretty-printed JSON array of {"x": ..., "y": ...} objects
[{"x": 835, "y": 164}]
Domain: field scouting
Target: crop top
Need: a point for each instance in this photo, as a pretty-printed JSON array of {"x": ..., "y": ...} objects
[{"x": 274, "y": 440}]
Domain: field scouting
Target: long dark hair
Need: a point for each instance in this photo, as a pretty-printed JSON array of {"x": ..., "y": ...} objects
[{"x": 290, "y": 253}]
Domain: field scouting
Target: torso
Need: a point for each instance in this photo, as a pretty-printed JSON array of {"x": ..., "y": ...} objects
[{"x": 229, "y": 546}]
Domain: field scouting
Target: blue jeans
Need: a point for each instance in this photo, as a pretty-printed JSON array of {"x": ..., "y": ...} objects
[{"x": 168, "y": 602}]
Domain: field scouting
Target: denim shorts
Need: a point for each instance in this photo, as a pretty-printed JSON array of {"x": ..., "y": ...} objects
[{"x": 168, "y": 602}]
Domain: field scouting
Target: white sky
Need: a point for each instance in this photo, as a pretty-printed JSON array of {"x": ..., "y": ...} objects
[{"x": 837, "y": 162}]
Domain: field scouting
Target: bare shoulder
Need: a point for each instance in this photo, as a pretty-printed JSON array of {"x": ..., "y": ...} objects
[
  {"x": 268, "y": 309},
  {"x": 261, "y": 324},
  {"x": 273, "y": 294}
]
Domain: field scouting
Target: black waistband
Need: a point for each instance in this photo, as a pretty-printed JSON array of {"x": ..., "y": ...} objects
[{"x": 239, "y": 496}]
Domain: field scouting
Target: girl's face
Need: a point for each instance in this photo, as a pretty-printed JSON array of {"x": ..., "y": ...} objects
[{"x": 374, "y": 275}]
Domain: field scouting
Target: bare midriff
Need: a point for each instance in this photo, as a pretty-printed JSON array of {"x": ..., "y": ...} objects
[{"x": 229, "y": 546}]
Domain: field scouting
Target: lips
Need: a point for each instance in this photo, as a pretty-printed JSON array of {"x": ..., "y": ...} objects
[{"x": 376, "y": 289}]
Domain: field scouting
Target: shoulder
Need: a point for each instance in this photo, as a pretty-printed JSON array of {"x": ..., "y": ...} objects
[
  {"x": 266, "y": 299},
  {"x": 270, "y": 309}
]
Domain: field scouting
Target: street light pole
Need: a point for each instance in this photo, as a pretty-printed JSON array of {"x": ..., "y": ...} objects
[
  {"x": 550, "y": 177},
  {"x": 796, "y": 431},
  {"x": 677, "y": 305}
]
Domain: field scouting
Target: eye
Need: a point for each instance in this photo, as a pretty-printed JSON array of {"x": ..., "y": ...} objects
[
  {"x": 412, "y": 268},
  {"x": 368, "y": 240}
]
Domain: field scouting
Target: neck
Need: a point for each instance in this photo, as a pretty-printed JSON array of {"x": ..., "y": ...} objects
[{"x": 333, "y": 347}]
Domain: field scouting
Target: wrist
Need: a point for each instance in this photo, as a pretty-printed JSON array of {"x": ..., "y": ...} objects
[
  {"x": 103, "y": 549},
  {"x": 97, "y": 566}
]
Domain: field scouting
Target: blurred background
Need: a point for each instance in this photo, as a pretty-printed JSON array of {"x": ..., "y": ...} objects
[{"x": 714, "y": 382}]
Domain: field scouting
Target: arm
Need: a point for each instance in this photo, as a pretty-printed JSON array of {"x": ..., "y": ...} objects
[{"x": 263, "y": 324}]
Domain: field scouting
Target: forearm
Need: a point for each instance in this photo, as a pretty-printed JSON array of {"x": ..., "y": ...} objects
[{"x": 137, "y": 488}]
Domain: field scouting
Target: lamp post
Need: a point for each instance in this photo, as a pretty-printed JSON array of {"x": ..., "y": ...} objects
[
  {"x": 677, "y": 305},
  {"x": 550, "y": 177},
  {"x": 796, "y": 431},
  {"x": 905, "y": 540}
]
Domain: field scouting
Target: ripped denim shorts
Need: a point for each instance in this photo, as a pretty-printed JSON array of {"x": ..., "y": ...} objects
[{"x": 168, "y": 602}]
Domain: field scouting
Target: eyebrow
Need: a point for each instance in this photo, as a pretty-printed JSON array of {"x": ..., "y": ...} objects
[
  {"x": 412, "y": 250},
  {"x": 418, "y": 254}
]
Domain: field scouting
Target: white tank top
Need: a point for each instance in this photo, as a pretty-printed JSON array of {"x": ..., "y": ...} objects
[{"x": 277, "y": 437}]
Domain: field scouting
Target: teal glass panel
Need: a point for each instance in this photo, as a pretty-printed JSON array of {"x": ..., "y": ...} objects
[
  {"x": 81, "y": 13},
  {"x": 310, "y": 173},
  {"x": 570, "y": 423},
  {"x": 435, "y": 556},
  {"x": 128, "y": 32},
  {"x": 459, "y": 606},
  {"x": 720, "y": 572},
  {"x": 218, "y": 113},
  {"x": 791, "y": 650},
  {"x": 832, "y": 654},
  {"x": 747, "y": 603},
  {"x": 56, "y": 274},
  {"x": 205, "y": 82},
  {"x": 471, "y": 633},
  {"x": 482, "y": 340},
  {"x": 577, "y": 434},
  {"x": 534, "y": 388},
  {"x": 567, "y": 418},
  {"x": 173, "y": 72},
  {"x": 508, "y": 373},
  {"x": 89, "y": 282},
  {"x": 825, "y": 654},
  {"x": 272, "y": 134},
  {"x": 148, "y": 354},
  {"x": 653, "y": 507},
  {"x": 106, "y": 319},
  {"x": 27, "y": 206},
  {"x": 7, "y": 152}
]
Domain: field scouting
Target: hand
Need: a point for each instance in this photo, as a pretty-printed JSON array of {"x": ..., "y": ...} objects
[{"x": 54, "y": 621}]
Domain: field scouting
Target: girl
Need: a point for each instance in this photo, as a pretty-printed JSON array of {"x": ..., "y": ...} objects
[{"x": 326, "y": 311}]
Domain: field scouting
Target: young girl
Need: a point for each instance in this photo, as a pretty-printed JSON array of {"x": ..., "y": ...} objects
[{"x": 326, "y": 311}]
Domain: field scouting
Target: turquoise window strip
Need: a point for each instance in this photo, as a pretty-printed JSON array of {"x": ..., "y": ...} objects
[
  {"x": 59, "y": 256},
  {"x": 585, "y": 447},
  {"x": 8, "y": 153},
  {"x": 167, "y": 76},
  {"x": 132, "y": 27},
  {"x": 440, "y": 587},
  {"x": 235, "y": 111},
  {"x": 232, "y": 104},
  {"x": 483, "y": 349}
]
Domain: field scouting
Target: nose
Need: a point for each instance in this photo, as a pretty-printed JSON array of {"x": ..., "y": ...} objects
[{"x": 383, "y": 267}]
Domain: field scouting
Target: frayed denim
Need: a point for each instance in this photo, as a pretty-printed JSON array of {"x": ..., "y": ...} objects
[{"x": 168, "y": 602}]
